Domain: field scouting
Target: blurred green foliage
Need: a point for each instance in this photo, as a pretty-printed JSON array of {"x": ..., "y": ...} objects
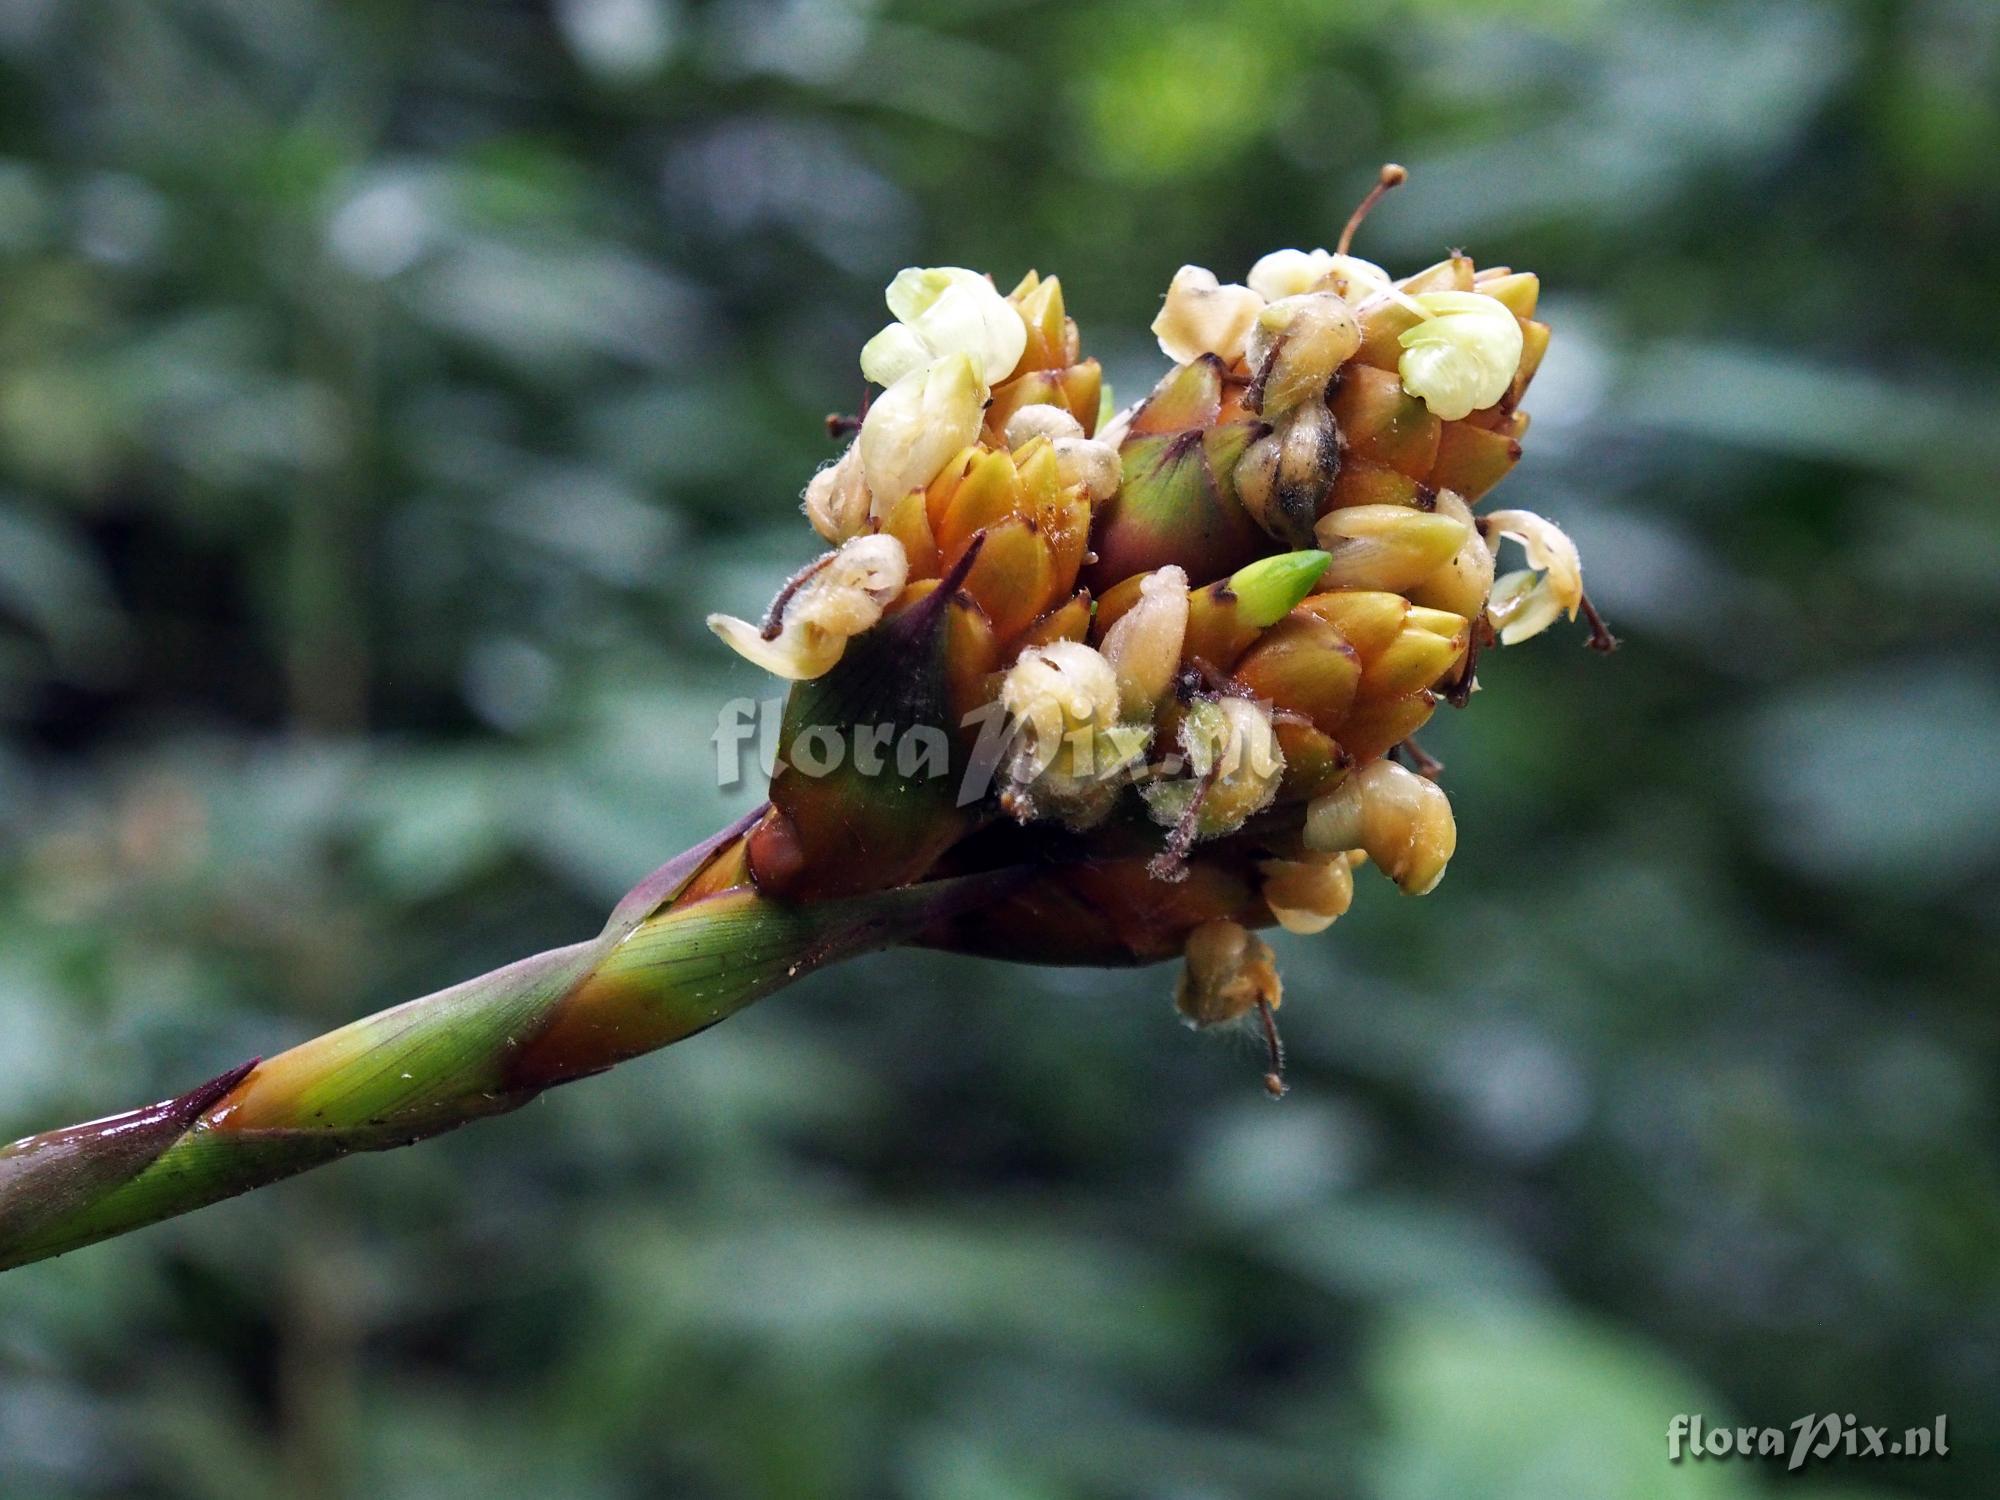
[{"x": 387, "y": 389}]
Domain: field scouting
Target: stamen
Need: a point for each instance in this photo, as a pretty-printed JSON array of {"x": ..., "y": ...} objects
[
  {"x": 1391, "y": 176},
  {"x": 839, "y": 425},
  {"x": 1170, "y": 864},
  {"x": 774, "y": 617},
  {"x": 1459, "y": 693},
  {"x": 1419, "y": 759},
  {"x": 1601, "y": 639},
  {"x": 1274, "y": 1080}
]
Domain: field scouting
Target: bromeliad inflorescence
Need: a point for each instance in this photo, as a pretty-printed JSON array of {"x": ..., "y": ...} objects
[
  {"x": 1164, "y": 667},
  {"x": 1207, "y": 626}
]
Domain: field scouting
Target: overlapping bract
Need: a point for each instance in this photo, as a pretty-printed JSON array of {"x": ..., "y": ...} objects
[{"x": 1202, "y": 629}]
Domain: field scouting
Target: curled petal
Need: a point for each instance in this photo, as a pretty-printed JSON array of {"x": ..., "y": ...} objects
[
  {"x": 917, "y": 289},
  {"x": 1308, "y": 895},
  {"x": 1522, "y": 607},
  {"x": 1397, "y": 818},
  {"x": 837, "y": 501},
  {"x": 1201, "y": 317},
  {"x": 1549, "y": 550},
  {"x": 1287, "y": 273},
  {"x": 1356, "y": 279},
  {"x": 1040, "y": 420},
  {"x": 1462, "y": 356},
  {"x": 916, "y": 426},
  {"x": 946, "y": 310},
  {"x": 838, "y": 597},
  {"x": 894, "y": 353}
]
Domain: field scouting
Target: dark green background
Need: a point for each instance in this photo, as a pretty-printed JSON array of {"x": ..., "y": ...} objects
[{"x": 387, "y": 390}]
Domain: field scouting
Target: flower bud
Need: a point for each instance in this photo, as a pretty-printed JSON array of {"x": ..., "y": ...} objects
[
  {"x": 943, "y": 310},
  {"x": 1287, "y": 273},
  {"x": 1031, "y": 422},
  {"x": 1144, "y": 644},
  {"x": 914, "y": 428},
  {"x": 1295, "y": 346},
  {"x": 1307, "y": 895},
  {"x": 1229, "y": 971},
  {"x": 1266, "y": 590},
  {"x": 1079, "y": 460},
  {"x": 1397, "y": 818},
  {"x": 1093, "y": 465},
  {"x": 1234, "y": 766},
  {"x": 1390, "y": 547},
  {"x": 1283, "y": 477},
  {"x": 838, "y": 597},
  {"x": 1525, "y": 604},
  {"x": 1462, "y": 356},
  {"x": 1354, "y": 279},
  {"x": 1201, "y": 317},
  {"x": 837, "y": 500},
  {"x": 1063, "y": 702}
]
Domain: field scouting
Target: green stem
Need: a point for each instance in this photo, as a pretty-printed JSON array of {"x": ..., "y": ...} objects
[{"x": 664, "y": 968}]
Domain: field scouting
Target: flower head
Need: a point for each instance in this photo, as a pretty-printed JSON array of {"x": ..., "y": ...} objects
[
  {"x": 1202, "y": 317},
  {"x": 1206, "y": 629},
  {"x": 1287, "y": 273},
  {"x": 831, "y": 601},
  {"x": 1526, "y": 603},
  {"x": 1462, "y": 354},
  {"x": 915, "y": 426},
  {"x": 943, "y": 310}
]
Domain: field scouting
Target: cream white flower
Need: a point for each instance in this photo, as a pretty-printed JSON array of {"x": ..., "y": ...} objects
[
  {"x": 913, "y": 428},
  {"x": 1042, "y": 421},
  {"x": 943, "y": 310},
  {"x": 1295, "y": 346},
  {"x": 1397, "y": 818},
  {"x": 1462, "y": 356},
  {"x": 838, "y": 597},
  {"x": 1079, "y": 460},
  {"x": 1201, "y": 317},
  {"x": 1235, "y": 766},
  {"x": 1526, "y": 603},
  {"x": 1092, "y": 464},
  {"x": 1069, "y": 747},
  {"x": 1310, "y": 894},
  {"x": 1056, "y": 689},
  {"x": 1229, "y": 972},
  {"x": 1144, "y": 644},
  {"x": 1287, "y": 273},
  {"x": 837, "y": 500}
]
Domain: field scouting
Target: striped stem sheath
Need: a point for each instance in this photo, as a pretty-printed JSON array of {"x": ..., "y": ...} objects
[{"x": 663, "y": 969}]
